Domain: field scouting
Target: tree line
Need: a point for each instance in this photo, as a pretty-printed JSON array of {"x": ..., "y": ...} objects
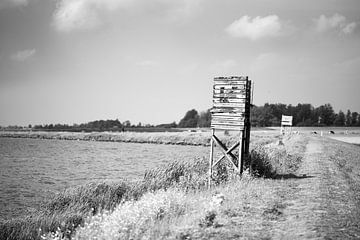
[
  {"x": 261, "y": 116},
  {"x": 270, "y": 115}
]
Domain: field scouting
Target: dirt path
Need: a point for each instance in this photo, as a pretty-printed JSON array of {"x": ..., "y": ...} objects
[
  {"x": 322, "y": 204},
  {"x": 320, "y": 201}
]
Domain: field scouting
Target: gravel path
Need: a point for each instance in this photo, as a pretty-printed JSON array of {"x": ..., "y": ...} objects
[{"x": 324, "y": 203}]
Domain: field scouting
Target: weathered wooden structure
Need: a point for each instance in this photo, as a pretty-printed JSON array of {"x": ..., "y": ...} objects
[{"x": 231, "y": 112}]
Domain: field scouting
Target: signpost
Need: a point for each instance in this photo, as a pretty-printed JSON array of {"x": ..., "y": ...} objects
[
  {"x": 286, "y": 121},
  {"x": 231, "y": 112}
]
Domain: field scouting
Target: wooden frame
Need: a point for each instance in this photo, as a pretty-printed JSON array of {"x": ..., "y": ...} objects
[{"x": 231, "y": 111}]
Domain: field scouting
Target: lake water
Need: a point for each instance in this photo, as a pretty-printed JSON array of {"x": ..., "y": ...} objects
[{"x": 33, "y": 169}]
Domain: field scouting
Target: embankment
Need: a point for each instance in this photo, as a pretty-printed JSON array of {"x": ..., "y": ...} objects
[
  {"x": 150, "y": 203},
  {"x": 176, "y": 138},
  {"x": 200, "y": 138}
]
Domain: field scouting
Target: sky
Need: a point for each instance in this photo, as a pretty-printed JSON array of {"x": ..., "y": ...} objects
[{"x": 150, "y": 61}]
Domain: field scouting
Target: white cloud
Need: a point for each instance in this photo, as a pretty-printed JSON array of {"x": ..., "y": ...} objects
[
  {"x": 83, "y": 14},
  {"x": 13, "y": 3},
  {"x": 256, "y": 28},
  {"x": 349, "y": 28},
  {"x": 89, "y": 14},
  {"x": 21, "y": 56},
  {"x": 336, "y": 22}
]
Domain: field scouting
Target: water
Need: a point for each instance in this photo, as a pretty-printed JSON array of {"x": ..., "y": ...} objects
[{"x": 33, "y": 169}]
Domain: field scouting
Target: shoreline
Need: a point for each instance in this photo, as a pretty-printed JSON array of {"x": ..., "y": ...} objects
[{"x": 167, "y": 138}]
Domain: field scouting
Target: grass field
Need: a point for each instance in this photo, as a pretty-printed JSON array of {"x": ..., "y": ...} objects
[{"x": 306, "y": 188}]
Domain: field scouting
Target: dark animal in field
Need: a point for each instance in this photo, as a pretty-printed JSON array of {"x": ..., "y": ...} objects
[
  {"x": 313, "y": 132},
  {"x": 331, "y": 132}
]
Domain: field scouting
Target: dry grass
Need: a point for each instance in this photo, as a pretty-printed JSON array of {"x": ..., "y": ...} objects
[{"x": 150, "y": 201}]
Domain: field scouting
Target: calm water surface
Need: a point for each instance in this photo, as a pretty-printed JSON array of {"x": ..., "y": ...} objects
[{"x": 33, "y": 169}]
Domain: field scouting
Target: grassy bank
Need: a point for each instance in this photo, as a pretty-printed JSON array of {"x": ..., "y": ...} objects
[
  {"x": 85, "y": 208},
  {"x": 201, "y": 138},
  {"x": 177, "y": 138}
]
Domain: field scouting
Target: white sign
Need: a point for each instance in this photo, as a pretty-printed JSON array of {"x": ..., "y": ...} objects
[{"x": 286, "y": 120}]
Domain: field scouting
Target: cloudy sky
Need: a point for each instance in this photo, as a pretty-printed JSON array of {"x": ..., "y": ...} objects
[{"x": 73, "y": 61}]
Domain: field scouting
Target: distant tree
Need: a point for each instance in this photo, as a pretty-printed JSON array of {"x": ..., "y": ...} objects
[
  {"x": 277, "y": 110},
  {"x": 261, "y": 116},
  {"x": 339, "y": 119},
  {"x": 205, "y": 119},
  {"x": 303, "y": 115},
  {"x": 348, "y": 118},
  {"x": 325, "y": 114},
  {"x": 190, "y": 119},
  {"x": 29, "y": 126},
  {"x": 127, "y": 123},
  {"x": 354, "y": 118}
]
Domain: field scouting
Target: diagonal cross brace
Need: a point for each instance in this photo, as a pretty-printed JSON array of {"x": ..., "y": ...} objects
[{"x": 227, "y": 152}]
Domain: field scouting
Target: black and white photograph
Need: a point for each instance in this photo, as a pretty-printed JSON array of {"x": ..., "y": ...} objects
[{"x": 179, "y": 119}]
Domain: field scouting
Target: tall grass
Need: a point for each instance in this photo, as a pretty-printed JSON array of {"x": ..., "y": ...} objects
[{"x": 75, "y": 207}]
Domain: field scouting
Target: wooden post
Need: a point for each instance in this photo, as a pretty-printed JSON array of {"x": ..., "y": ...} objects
[
  {"x": 240, "y": 158},
  {"x": 211, "y": 157}
]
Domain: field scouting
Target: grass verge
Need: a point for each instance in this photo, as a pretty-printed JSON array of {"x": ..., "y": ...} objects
[{"x": 74, "y": 210}]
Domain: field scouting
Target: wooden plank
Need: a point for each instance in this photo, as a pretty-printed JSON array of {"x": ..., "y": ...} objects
[
  {"x": 230, "y": 82},
  {"x": 233, "y": 87},
  {"x": 231, "y": 157},
  {"x": 225, "y": 91},
  {"x": 230, "y": 128},
  {"x": 242, "y": 119},
  {"x": 228, "y": 115},
  {"x": 230, "y": 95},
  {"x": 211, "y": 158},
  {"x": 229, "y": 100},
  {"x": 228, "y": 151},
  {"x": 227, "y": 110},
  {"x": 241, "y": 153},
  {"x": 229, "y": 123},
  {"x": 231, "y": 78},
  {"x": 231, "y": 105}
]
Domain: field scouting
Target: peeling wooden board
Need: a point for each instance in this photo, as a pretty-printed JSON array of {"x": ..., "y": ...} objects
[
  {"x": 230, "y": 119},
  {"x": 226, "y": 91},
  {"x": 232, "y": 87},
  {"x": 232, "y": 78},
  {"x": 226, "y": 122},
  {"x": 229, "y": 95},
  {"x": 229, "y": 100},
  {"x": 230, "y": 82},
  {"x": 230, "y": 128},
  {"x": 227, "y": 110},
  {"x": 227, "y": 114},
  {"x": 231, "y": 105}
]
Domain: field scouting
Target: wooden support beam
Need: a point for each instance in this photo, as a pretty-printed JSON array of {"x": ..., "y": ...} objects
[
  {"x": 228, "y": 151},
  {"x": 223, "y": 149},
  {"x": 211, "y": 157}
]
